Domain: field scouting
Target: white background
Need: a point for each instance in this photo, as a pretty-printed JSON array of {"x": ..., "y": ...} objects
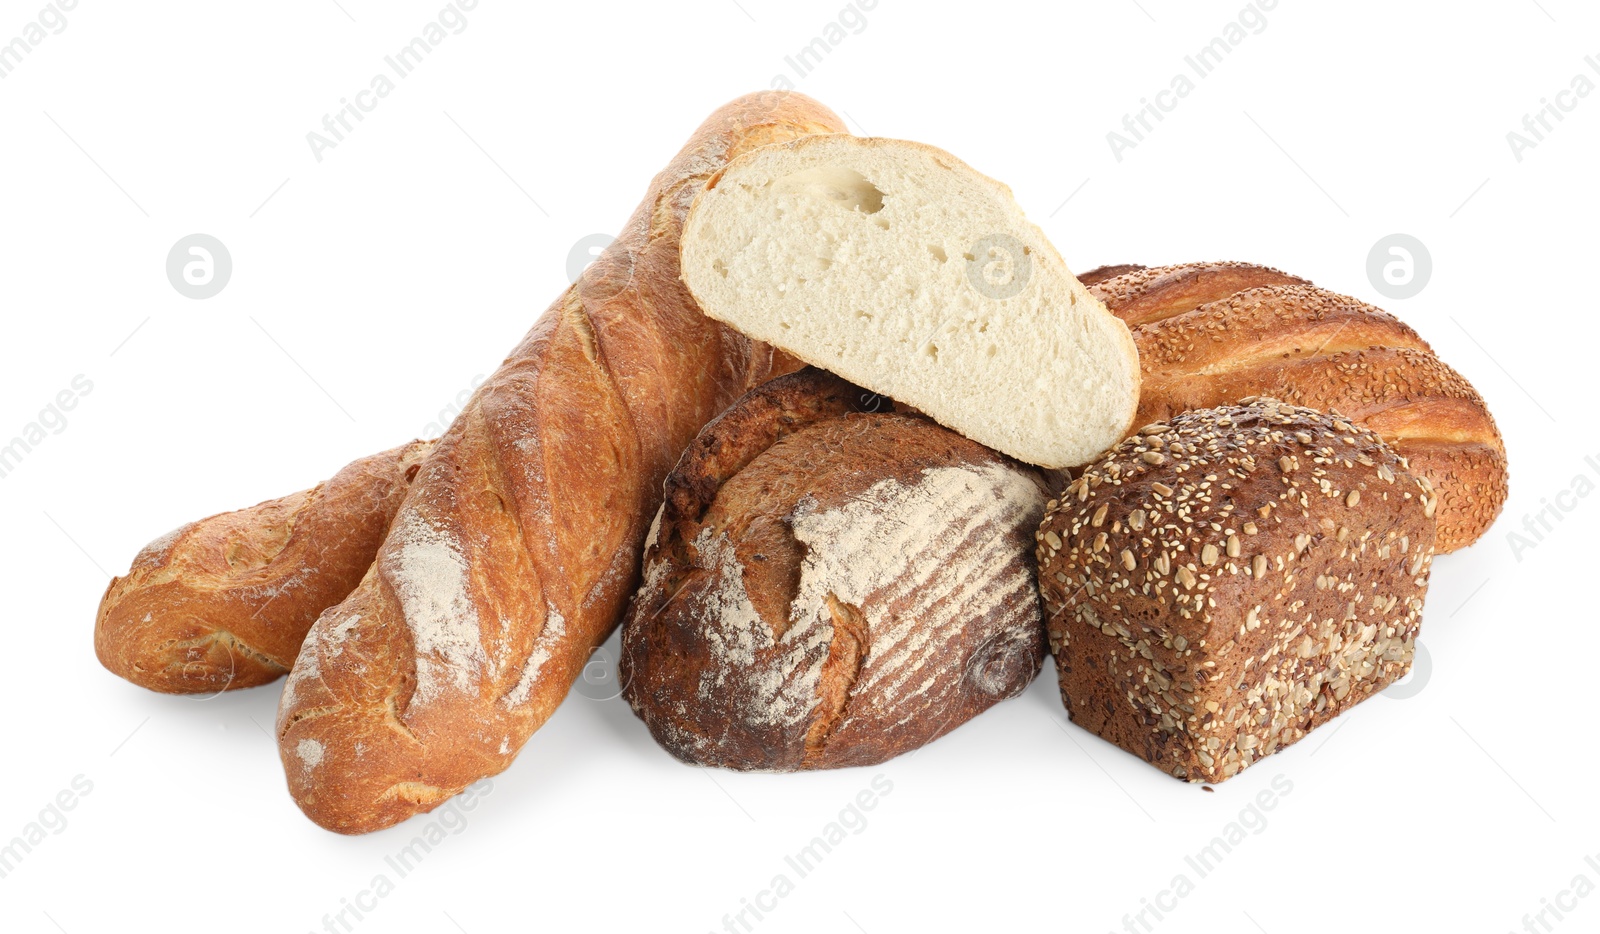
[{"x": 372, "y": 287}]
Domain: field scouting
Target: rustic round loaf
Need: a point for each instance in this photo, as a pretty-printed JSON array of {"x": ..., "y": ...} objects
[
  {"x": 1218, "y": 586},
  {"x": 830, "y": 587}
]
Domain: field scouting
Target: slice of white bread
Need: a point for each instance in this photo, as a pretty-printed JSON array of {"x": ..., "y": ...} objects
[{"x": 902, "y": 269}]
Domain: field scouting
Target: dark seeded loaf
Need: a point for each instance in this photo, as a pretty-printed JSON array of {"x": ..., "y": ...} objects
[{"x": 1219, "y": 586}]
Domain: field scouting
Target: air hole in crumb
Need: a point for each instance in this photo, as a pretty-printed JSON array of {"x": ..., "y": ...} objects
[
  {"x": 933, "y": 351},
  {"x": 969, "y": 257},
  {"x": 991, "y": 351},
  {"x": 845, "y": 188},
  {"x": 720, "y": 267},
  {"x": 881, "y": 222},
  {"x": 784, "y": 325},
  {"x": 864, "y": 316},
  {"x": 938, "y": 252}
]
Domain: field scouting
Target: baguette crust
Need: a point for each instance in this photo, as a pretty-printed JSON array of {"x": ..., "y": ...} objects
[
  {"x": 1212, "y": 334},
  {"x": 830, "y": 587},
  {"x": 225, "y": 602},
  {"x": 515, "y": 552},
  {"x": 1218, "y": 587}
]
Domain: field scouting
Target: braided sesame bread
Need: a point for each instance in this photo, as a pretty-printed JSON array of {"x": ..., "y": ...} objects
[
  {"x": 225, "y": 602},
  {"x": 518, "y": 544},
  {"x": 1211, "y": 334},
  {"x": 829, "y": 587},
  {"x": 1217, "y": 587}
]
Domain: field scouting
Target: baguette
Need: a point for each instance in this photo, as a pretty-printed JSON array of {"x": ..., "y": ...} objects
[
  {"x": 519, "y": 543},
  {"x": 1210, "y": 334},
  {"x": 224, "y": 603}
]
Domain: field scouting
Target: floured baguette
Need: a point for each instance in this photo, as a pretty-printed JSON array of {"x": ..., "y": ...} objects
[
  {"x": 902, "y": 269},
  {"x": 518, "y": 544},
  {"x": 225, "y": 602}
]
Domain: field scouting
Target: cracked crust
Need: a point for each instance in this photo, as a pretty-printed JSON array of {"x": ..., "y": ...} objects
[
  {"x": 224, "y": 603},
  {"x": 1211, "y": 334},
  {"x": 831, "y": 587},
  {"x": 516, "y": 550},
  {"x": 1217, "y": 587}
]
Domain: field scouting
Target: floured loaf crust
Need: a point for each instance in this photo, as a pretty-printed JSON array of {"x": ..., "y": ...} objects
[{"x": 830, "y": 587}]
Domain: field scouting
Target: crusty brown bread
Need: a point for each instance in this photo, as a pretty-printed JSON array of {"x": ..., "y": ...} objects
[
  {"x": 829, "y": 587},
  {"x": 1219, "y": 586},
  {"x": 225, "y": 602},
  {"x": 1210, "y": 334},
  {"x": 515, "y": 552},
  {"x": 1100, "y": 274}
]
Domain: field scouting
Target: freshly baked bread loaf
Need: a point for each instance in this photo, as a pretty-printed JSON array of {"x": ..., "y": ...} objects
[
  {"x": 828, "y": 587},
  {"x": 518, "y": 545},
  {"x": 1219, "y": 586},
  {"x": 1210, "y": 334},
  {"x": 225, "y": 602},
  {"x": 902, "y": 269}
]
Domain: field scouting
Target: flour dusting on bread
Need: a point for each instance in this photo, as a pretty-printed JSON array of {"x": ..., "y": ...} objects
[
  {"x": 429, "y": 576},
  {"x": 736, "y": 635},
  {"x": 555, "y": 626},
  {"x": 892, "y": 552}
]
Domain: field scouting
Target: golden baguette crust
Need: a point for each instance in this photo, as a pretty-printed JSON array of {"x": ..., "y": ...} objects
[
  {"x": 829, "y": 587},
  {"x": 1212, "y": 334},
  {"x": 1219, "y": 586},
  {"x": 515, "y": 552},
  {"x": 225, "y": 602}
]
